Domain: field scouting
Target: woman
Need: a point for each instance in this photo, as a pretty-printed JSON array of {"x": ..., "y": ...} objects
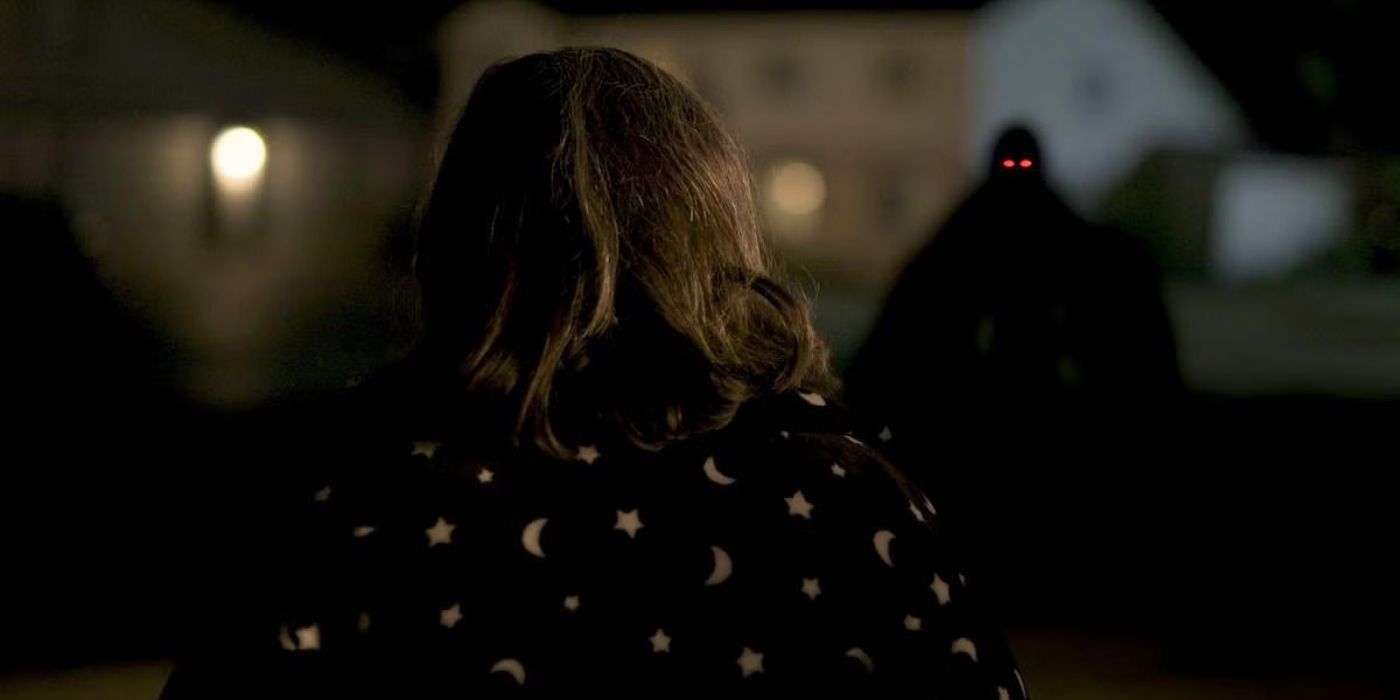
[{"x": 614, "y": 463}]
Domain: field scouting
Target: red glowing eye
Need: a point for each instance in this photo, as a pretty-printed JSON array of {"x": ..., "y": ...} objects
[
  {"x": 1008, "y": 163},
  {"x": 1026, "y": 163}
]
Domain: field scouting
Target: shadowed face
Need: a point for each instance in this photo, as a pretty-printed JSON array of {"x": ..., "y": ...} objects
[{"x": 1016, "y": 157}]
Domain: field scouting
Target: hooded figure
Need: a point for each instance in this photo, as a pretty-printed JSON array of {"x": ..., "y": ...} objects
[
  {"x": 1022, "y": 354},
  {"x": 1017, "y": 304}
]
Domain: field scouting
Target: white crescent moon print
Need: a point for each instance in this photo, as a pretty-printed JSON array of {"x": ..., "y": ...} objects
[
  {"x": 724, "y": 567},
  {"x": 713, "y": 473},
  {"x": 530, "y": 537}
]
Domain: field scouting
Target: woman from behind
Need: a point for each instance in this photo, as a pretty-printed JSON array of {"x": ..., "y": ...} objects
[{"x": 614, "y": 462}]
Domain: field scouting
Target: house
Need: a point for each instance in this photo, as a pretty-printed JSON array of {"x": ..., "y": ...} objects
[{"x": 866, "y": 128}]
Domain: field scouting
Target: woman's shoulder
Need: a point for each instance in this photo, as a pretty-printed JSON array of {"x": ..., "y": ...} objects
[
  {"x": 807, "y": 425},
  {"x": 785, "y": 538},
  {"x": 777, "y": 442},
  {"x": 808, "y": 446},
  {"x": 812, "y": 414}
]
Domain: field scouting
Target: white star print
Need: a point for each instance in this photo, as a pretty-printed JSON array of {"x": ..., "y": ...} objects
[
  {"x": 588, "y": 454},
  {"x": 363, "y": 531},
  {"x": 451, "y": 616},
  {"x": 323, "y": 495},
  {"x": 309, "y": 638},
  {"x": 440, "y": 532},
  {"x": 886, "y": 435},
  {"x": 940, "y": 589},
  {"x": 427, "y": 449},
  {"x": 750, "y": 662},
  {"x": 660, "y": 642},
  {"x": 629, "y": 522},
  {"x": 785, "y": 434},
  {"x": 571, "y": 602},
  {"x": 798, "y": 505},
  {"x": 912, "y": 623},
  {"x": 812, "y": 398},
  {"x": 485, "y": 475},
  {"x": 962, "y": 579},
  {"x": 838, "y": 470},
  {"x": 812, "y": 588}
]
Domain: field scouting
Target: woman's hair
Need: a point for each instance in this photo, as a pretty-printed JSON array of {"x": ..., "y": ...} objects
[{"x": 590, "y": 256}]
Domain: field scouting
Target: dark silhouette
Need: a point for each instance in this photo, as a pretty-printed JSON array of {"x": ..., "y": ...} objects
[
  {"x": 57, "y": 310},
  {"x": 1017, "y": 300},
  {"x": 1020, "y": 338},
  {"x": 92, "y": 447}
]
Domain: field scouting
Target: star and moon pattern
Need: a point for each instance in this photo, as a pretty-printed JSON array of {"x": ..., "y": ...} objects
[{"x": 774, "y": 558}]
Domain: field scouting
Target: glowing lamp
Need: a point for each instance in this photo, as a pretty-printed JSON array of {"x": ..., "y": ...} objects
[{"x": 238, "y": 155}]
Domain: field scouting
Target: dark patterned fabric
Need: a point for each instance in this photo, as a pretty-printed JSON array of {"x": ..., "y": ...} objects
[{"x": 779, "y": 557}]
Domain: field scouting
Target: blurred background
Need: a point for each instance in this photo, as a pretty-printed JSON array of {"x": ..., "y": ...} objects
[{"x": 205, "y": 242}]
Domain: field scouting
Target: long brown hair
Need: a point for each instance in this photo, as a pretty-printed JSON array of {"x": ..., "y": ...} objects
[{"x": 590, "y": 256}]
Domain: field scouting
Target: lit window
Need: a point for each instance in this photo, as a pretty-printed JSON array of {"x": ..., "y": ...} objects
[
  {"x": 797, "y": 188},
  {"x": 794, "y": 195}
]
